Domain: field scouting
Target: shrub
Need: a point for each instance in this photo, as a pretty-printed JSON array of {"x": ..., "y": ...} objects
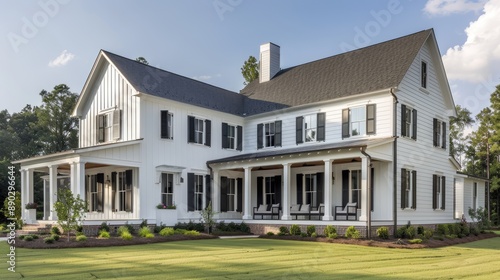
[
  {"x": 192, "y": 233},
  {"x": 332, "y": 235},
  {"x": 79, "y": 228},
  {"x": 144, "y": 223},
  {"x": 103, "y": 226},
  {"x": 439, "y": 237},
  {"x": 81, "y": 238},
  {"x": 383, "y": 232},
  {"x": 465, "y": 230},
  {"x": 461, "y": 235},
  {"x": 78, "y": 233},
  {"x": 451, "y": 236},
  {"x": 352, "y": 232},
  {"x": 481, "y": 216},
  {"x": 232, "y": 226},
  {"x": 310, "y": 230},
  {"x": 270, "y": 233},
  {"x": 190, "y": 226},
  {"x": 295, "y": 230},
  {"x": 473, "y": 230},
  {"x": 130, "y": 228},
  {"x": 401, "y": 232},
  {"x": 443, "y": 229},
  {"x": 244, "y": 227},
  {"x": 22, "y": 237},
  {"x": 314, "y": 235},
  {"x": 55, "y": 230},
  {"x": 28, "y": 238},
  {"x": 104, "y": 234},
  {"x": 149, "y": 235},
  {"x": 167, "y": 231},
  {"x": 428, "y": 233},
  {"x": 329, "y": 229},
  {"x": 303, "y": 234},
  {"x": 121, "y": 230},
  {"x": 179, "y": 231},
  {"x": 410, "y": 232},
  {"x": 126, "y": 235},
  {"x": 143, "y": 231},
  {"x": 415, "y": 241},
  {"x": 222, "y": 226},
  {"x": 420, "y": 230},
  {"x": 49, "y": 240},
  {"x": 35, "y": 236},
  {"x": 55, "y": 236},
  {"x": 284, "y": 230}
]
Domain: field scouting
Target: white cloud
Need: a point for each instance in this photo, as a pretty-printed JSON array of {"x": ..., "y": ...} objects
[
  {"x": 445, "y": 7},
  {"x": 62, "y": 59},
  {"x": 478, "y": 59}
]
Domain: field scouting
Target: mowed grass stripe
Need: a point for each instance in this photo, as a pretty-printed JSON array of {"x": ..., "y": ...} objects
[{"x": 257, "y": 258}]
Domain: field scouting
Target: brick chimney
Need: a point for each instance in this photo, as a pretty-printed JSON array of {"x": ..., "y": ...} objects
[{"x": 269, "y": 61}]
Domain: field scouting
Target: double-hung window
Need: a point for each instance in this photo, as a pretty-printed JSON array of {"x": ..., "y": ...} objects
[
  {"x": 408, "y": 122},
  {"x": 199, "y": 191},
  {"x": 108, "y": 126},
  {"x": 231, "y": 194},
  {"x": 232, "y": 137},
  {"x": 167, "y": 125},
  {"x": 355, "y": 194},
  {"x": 95, "y": 192},
  {"x": 167, "y": 189},
  {"x": 439, "y": 133},
  {"x": 123, "y": 190},
  {"x": 438, "y": 192},
  {"x": 311, "y": 189},
  {"x": 269, "y": 134},
  {"x": 310, "y": 128},
  {"x": 408, "y": 189},
  {"x": 199, "y": 131},
  {"x": 358, "y": 121},
  {"x": 423, "y": 75}
]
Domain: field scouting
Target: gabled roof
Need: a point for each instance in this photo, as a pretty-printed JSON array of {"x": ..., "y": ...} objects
[{"x": 369, "y": 69}]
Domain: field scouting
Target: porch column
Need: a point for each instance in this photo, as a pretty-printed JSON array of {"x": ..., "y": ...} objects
[
  {"x": 286, "y": 192},
  {"x": 247, "y": 213},
  {"x": 216, "y": 192},
  {"x": 24, "y": 196},
  {"x": 365, "y": 168},
  {"x": 72, "y": 177},
  {"x": 328, "y": 190},
  {"x": 80, "y": 180},
  {"x": 52, "y": 191},
  {"x": 46, "y": 204}
]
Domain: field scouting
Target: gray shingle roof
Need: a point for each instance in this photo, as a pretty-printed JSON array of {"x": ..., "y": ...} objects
[
  {"x": 372, "y": 68},
  {"x": 161, "y": 83}
]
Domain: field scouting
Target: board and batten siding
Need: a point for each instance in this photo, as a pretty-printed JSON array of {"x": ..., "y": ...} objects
[
  {"x": 333, "y": 122},
  {"x": 156, "y": 151},
  {"x": 109, "y": 91},
  {"x": 420, "y": 154}
]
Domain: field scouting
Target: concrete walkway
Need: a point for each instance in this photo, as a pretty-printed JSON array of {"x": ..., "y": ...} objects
[
  {"x": 238, "y": 236},
  {"x": 3, "y": 239}
]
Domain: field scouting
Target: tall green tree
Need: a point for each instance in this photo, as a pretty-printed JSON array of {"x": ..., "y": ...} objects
[
  {"x": 458, "y": 140},
  {"x": 60, "y": 130},
  {"x": 25, "y": 131},
  {"x": 142, "y": 60},
  {"x": 250, "y": 70}
]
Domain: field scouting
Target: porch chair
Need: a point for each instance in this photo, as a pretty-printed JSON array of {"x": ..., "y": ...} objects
[
  {"x": 318, "y": 212},
  {"x": 262, "y": 210},
  {"x": 350, "y": 210},
  {"x": 302, "y": 210}
]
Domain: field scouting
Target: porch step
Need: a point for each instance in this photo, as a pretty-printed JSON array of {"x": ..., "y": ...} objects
[{"x": 35, "y": 229}]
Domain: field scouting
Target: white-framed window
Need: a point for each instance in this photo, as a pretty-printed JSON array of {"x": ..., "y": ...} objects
[
  {"x": 408, "y": 189},
  {"x": 199, "y": 128},
  {"x": 124, "y": 191},
  {"x": 166, "y": 125},
  {"x": 355, "y": 187},
  {"x": 95, "y": 192},
  {"x": 199, "y": 131},
  {"x": 408, "y": 122},
  {"x": 311, "y": 189},
  {"x": 439, "y": 133},
  {"x": 232, "y": 136},
  {"x": 167, "y": 189},
  {"x": 269, "y": 134},
  {"x": 310, "y": 128},
  {"x": 439, "y": 192},
  {"x": 198, "y": 192},
  {"x": 270, "y": 190},
  {"x": 423, "y": 74},
  {"x": 231, "y": 194},
  {"x": 108, "y": 126},
  {"x": 474, "y": 195},
  {"x": 358, "y": 121}
]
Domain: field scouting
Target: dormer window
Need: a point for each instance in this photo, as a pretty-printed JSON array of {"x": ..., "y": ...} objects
[{"x": 423, "y": 75}]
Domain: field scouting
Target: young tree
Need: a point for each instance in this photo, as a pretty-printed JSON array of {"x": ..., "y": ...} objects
[
  {"x": 70, "y": 210},
  {"x": 207, "y": 216},
  {"x": 250, "y": 70}
]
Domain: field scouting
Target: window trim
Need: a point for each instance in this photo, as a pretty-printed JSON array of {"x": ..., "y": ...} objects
[
  {"x": 167, "y": 129},
  {"x": 439, "y": 133},
  {"x": 423, "y": 74},
  {"x": 438, "y": 192},
  {"x": 408, "y": 189},
  {"x": 108, "y": 125},
  {"x": 261, "y": 135},
  {"x": 238, "y": 136},
  {"x": 206, "y": 133},
  {"x": 347, "y": 120},
  {"x": 411, "y": 131},
  {"x": 165, "y": 195}
]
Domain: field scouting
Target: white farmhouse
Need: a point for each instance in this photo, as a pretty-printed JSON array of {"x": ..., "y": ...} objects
[{"x": 359, "y": 138}]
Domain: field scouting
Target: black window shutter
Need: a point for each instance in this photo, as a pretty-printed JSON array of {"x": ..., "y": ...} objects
[
  {"x": 434, "y": 191},
  {"x": 164, "y": 125},
  {"x": 277, "y": 192},
  {"x": 100, "y": 191},
  {"x": 191, "y": 120},
  {"x": 434, "y": 132},
  {"x": 208, "y": 133},
  {"x": 321, "y": 120},
  {"x": 129, "y": 185},
  {"x": 299, "y": 130},
  {"x": 223, "y": 194},
  {"x": 208, "y": 190},
  {"x": 423, "y": 75},
  {"x": 345, "y": 187},
  {"x": 260, "y": 194},
  {"x": 260, "y": 136},
  {"x": 113, "y": 191},
  {"x": 190, "y": 191},
  {"x": 370, "y": 118},
  {"x": 239, "y": 136},
  {"x": 117, "y": 124},
  {"x": 414, "y": 134},
  {"x": 320, "y": 176},
  {"x": 414, "y": 190},
  {"x": 403, "y": 120},
  {"x": 299, "y": 188},
  {"x": 345, "y": 124},
  {"x": 239, "y": 195},
  {"x": 372, "y": 185},
  {"x": 403, "y": 188},
  {"x": 443, "y": 192},
  {"x": 87, "y": 192},
  {"x": 444, "y": 136},
  {"x": 100, "y": 128},
  {"x": 277, "y": 133},
  {"x": 225, "y": 143}
]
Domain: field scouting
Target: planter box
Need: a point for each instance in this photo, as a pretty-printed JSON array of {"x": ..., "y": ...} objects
[
  {"x": 31, "y": 218},
  {"x": 167, "y": 217}
]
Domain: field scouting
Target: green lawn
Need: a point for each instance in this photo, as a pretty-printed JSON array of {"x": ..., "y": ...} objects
[{"x": 256, "y": 259}]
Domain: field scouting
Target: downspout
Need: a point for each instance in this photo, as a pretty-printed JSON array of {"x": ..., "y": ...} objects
[
  {"x": 395, "y": 163},
  {"x": 368, "y": 195}
]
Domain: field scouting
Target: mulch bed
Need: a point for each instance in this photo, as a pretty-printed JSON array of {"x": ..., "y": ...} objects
[
  {"x": 388, "y": 243},
  {"x": 97, "y": 242}
]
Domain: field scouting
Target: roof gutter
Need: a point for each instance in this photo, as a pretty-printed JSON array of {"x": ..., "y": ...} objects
[
  {"x": 368, "y": 194},
  {"x": 395, "y": 162}
]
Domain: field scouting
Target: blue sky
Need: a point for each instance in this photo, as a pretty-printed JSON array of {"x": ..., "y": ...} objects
[{"x": 47, "y": 42}]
